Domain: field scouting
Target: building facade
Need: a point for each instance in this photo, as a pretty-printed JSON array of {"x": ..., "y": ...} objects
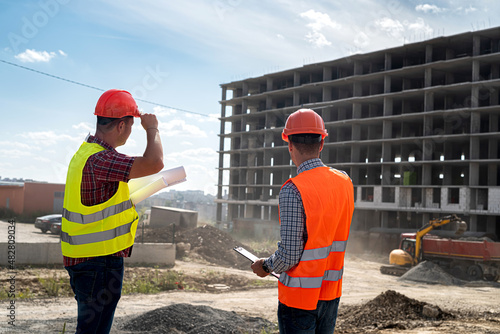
[
  {"x": 416, "y": 127},
  {"x": 32, "y": 197}
]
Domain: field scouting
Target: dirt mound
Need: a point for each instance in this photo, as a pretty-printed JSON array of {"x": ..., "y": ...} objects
[
  {"x": 187, "y": 318},
  {"x": 389, "y": 310},
  {"x": 429, "y": 272},
  {"x": 206, "y": 242}
]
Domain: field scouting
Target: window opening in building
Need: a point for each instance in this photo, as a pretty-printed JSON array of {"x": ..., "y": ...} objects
[
  {"x": 367, "y": 194},
  {"x": 453, "y": 195}
]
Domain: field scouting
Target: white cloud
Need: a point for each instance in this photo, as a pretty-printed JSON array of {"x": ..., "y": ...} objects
[
  {"x": 426, "y": 8},
  {"x": 84, "y": 126},
  {"x": 419, "y": 26},
  {"x": 163, "y": 112},
  {"x": 470, "y": 9},
  {"x": 202, "y": 154},
  {"x": 393, "y": 28},
  {"x": 62, "y": 53},
  {"x": 48, "y": 137},
  {"x": 397, "y": 30},
  {"x": 317, "y": 39},
  {"x": 320, "y": 21},
  {"x": 33, "y": 56},
  {"x": 179, "y": 128}
]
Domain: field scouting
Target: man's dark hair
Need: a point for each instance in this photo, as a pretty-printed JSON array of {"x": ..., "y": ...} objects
[
  {"x": 306, "y": 143},
  {"x": 105, "y": 124}
]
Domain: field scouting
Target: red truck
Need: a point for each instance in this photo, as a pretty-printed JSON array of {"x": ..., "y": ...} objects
[{"x": 467, "y": 258}]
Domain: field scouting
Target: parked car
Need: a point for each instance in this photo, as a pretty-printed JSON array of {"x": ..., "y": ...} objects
[
  {"x": 45, "y": 222},
  {"x": 55, "y": 228}
]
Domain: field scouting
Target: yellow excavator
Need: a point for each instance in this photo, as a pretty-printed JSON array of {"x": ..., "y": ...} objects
[{"x": 410, "y": 252}]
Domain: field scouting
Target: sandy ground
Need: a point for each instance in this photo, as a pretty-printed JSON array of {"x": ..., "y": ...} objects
[{"x": 362, "y": 283}]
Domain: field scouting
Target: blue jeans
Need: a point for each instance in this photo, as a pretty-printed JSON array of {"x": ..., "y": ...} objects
[
  {"x": 97, "y": 284},
  {"x": 319, "y": 321}
]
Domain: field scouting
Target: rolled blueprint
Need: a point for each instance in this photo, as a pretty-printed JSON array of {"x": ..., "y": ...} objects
[{"x": 143, "y": 187}]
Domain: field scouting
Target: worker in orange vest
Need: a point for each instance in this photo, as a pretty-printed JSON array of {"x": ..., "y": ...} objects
[{"x": 316, "y": 208}]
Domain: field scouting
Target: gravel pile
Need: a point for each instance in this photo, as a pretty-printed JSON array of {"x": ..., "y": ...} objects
[
  {"x": 429, "y": 272},
  {"x": 205, "y": 242},
  {"x": 388, "y": 310},
  {"x": 190, "y": 319}
]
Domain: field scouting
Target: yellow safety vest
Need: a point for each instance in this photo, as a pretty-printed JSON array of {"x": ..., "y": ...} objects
[{"x": 97, "y": 230}]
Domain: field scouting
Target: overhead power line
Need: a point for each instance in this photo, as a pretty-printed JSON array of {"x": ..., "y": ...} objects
[{"x": 97, "y": 88}]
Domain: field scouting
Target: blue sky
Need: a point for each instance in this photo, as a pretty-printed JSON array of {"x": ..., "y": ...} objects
[{"x": 177, "y": 54}]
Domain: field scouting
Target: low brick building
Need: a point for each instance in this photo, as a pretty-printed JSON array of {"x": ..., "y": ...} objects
[{"x": 32, "y": 197}]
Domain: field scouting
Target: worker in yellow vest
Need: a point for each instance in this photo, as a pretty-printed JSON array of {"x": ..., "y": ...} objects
[
  {"x": 315, "y": 208},
  {"x": 99, "y": 220}
]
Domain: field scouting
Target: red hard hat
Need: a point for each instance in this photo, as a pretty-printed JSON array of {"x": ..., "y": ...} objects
[
  {"x": 115, "y": 103},
  {"x": 304, "y": 121}
]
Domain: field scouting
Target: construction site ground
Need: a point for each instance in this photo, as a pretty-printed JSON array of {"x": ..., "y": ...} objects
[{"x": 427, "y": 301}]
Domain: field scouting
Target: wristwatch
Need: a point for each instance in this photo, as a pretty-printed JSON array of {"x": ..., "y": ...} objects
[{"x": 265, "y": 267}]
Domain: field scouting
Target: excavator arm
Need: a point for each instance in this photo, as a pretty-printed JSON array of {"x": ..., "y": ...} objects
[{"x": 434, "y": 223}]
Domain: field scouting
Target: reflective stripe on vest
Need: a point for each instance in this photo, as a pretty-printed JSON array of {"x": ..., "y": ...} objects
[
  {"x": 310, "y": 282},
  {"x": 79, "y": 218},
  {"x": 96, "y": 237},
  {"x": 324, "y": 252}
]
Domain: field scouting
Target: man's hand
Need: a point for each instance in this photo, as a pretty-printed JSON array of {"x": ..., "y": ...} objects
[
  {"x": 149, "y": 121},
  {"x": 257, "y": 268}
]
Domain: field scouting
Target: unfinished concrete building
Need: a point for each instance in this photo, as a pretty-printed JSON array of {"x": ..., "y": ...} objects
[{"x": 416, "y": 127}]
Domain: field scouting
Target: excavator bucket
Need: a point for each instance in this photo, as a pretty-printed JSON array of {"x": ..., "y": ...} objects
[{"x": 461, "y": 227}]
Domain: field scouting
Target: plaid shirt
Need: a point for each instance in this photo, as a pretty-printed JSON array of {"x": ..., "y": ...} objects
[
  {"x": 100, "y": 179},
  {"x": 293, "y": 230}
]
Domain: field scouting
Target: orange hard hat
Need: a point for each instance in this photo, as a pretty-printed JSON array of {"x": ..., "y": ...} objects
[
  {"x": 304, "y": 121},
  {"x": 116, "y": 103}
]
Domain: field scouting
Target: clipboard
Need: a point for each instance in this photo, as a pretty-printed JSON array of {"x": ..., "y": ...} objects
[{"x": 251, "y": 257}]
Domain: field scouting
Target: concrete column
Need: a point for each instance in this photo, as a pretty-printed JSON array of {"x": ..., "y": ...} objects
[
  {"x": 428, "y": 53},
  {"x": 269, "y": 84},
  {"x": 327, "y": 73},
  {"x": 472, "y": 225},
  {"x": 358, "y": 67},
  {"x": 475, "y": 122},
  {"x": 269, "y": 102},
  {"x": 296, "y": 79},
  {"x": 388, "y": 105},
  {"x": 357, "y": 89},
  {"x": 388, "y": 61},
  {"x": 387, "y": 84},
  {"x": 428, "y": 101},
  {"x": 428, "y": 77},
  {"x": 476, "y": 45},
  {"x": 386, "y": 130},
  {"x": 386, "y": 152},
  {"x": 296, "y": 98},
  {"x": 475, "y": 70},
  {"x": 427, "y": 149},
  {"x": 491, "y": 224},
  {"x": 426, "y": 175},
  {"x": 428, "y": 126},
  {"x": 244, "y": 91},
  {"x": 327, "y": 94},
  {"x": 356, "y": 110},
  {"x": 473, "y": 174}
]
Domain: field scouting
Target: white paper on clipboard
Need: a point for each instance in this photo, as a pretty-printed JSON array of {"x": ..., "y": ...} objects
[{"x": 251, "y": 257}]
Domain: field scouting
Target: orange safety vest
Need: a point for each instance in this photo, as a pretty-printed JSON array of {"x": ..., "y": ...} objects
[{"x": 328, "y": 200}]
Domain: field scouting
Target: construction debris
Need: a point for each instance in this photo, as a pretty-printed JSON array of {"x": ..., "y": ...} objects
[
  {"x": 389, "y": 310},
  {"x": 195, "y": 319}
]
